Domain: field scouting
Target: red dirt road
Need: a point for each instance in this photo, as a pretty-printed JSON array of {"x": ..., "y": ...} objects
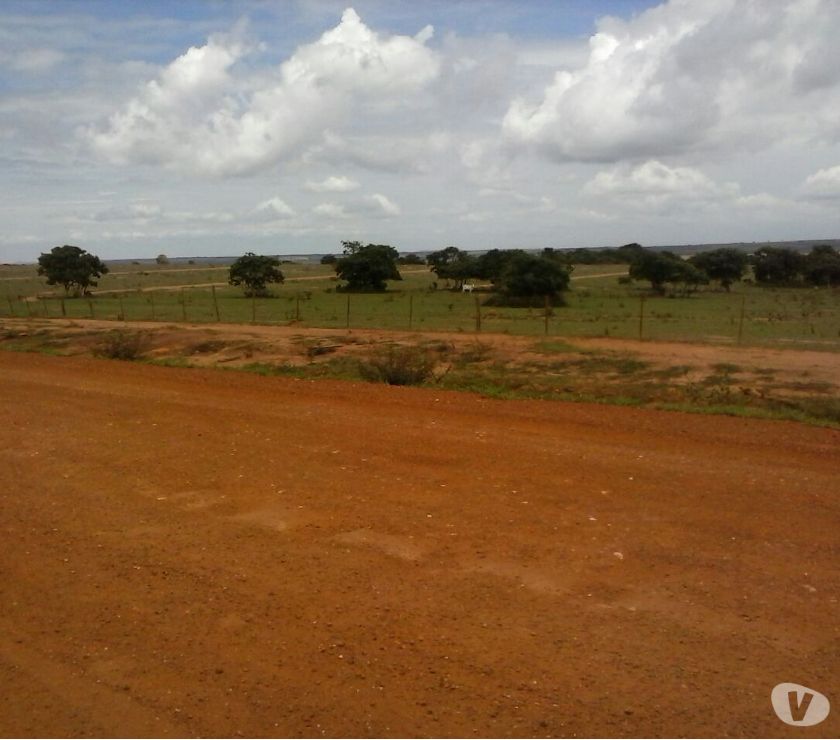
[{"x": 189, "y": 552}]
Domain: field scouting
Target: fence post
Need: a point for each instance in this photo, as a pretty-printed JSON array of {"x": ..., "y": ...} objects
[
  {"x": 63, "y": 307},
  {"x": 347, "y": 319},
  {"x": 410, "y": 309},
  {"x": 477, "y": 314},
  {"x": 741, "y": 317},
  {"x": 215, "y": 302},
  {"x": 641, "y": 318},
  {"x": 547, "y": 313},
  {"x": 90, "y": 306},
  {"x": 183, "y": 305},
  {"x": 297, "y": 306}
]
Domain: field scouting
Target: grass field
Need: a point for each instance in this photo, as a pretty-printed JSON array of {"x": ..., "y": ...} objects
[{"x": 597, "y": 305}]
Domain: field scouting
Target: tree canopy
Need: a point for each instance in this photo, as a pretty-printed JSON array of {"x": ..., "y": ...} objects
[
  {"x": 367, "y": 268},
  {"x": 822, "y": 265},
  {"x": 777, "y": 265},
  {"x": 255, "y": 272},
  {"x": 528, "y": 276},
  {"x": 661, "y": 268},
  {"x": 726, "y": 265},
  {"x": 72, "y": 267}
]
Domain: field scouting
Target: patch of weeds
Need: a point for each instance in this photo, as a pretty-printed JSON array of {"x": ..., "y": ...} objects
[
  {"x": 674, "y": 371},
  {"x": 438, "y": 345},
  {"x": 476, "y": 352},
  {"x": 398, "y": 365},
  {"x": 169, "y": 361},
  {"x": 122, "y": 345},
  {"x": 321, "y": 349},
  {"x": 603, "y": 364},
  {"x": 726, "y": 368},
  {"x": 271, "y": 369},
  {"x": 206, "y": 347},
  {"x": 559, "y": 346}
]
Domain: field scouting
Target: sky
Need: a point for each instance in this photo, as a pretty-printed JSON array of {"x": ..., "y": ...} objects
[{"x": 214, "y": 128}]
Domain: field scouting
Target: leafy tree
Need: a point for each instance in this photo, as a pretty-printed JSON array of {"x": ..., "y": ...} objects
[
  {"x": 329, "y": 259},
  {"x": 254, "y": 272},
  {"x": 686, "y": 277},
  {"x": 492, "y": 265},
  {"x": 726, "y": 265},
  {"x": 661, "y": 268},
  {"x": 777, "y": 265},
  {"x": 72, "y": 267},
  {"x": 452, "y": 263},
  {"x": 367, "y": 268},
  {"x": 822, "y": 265},
  {"x": 627, "y": 253},
  {"x": 162, "y": 259},
  {"x": 528, "y": 276}
]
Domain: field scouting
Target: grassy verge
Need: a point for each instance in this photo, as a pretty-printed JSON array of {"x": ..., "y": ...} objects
[{"x": 554, "y": 369}]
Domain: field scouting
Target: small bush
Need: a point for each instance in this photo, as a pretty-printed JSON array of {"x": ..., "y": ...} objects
[
  {"x": 121, "y": 345},
  {"x": 398, "y": 366}
]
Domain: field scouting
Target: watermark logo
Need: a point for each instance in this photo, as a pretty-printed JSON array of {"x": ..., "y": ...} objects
[{"x": 798, "y": 705}]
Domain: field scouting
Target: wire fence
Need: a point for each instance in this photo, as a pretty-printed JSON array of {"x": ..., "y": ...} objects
[{"x": 757, "y": 316}]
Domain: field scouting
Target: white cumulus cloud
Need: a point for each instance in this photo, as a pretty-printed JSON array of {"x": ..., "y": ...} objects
[
  {"x": 333, "y": 184},
  {"x": 824, "y": 183},
  {"x": 388, "y": 207},
  {"x": 692, "y": 75},
  {"x": 203, "y": 114},
  {"x": 655, "y": 183},
  {"x": 273, "y": 209}
]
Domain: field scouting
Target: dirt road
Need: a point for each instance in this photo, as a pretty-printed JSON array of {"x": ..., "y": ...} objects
[{"x": 191, "y": 552}]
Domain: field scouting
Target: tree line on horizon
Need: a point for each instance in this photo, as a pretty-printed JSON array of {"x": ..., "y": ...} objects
[{"x": 515, "y": 275}]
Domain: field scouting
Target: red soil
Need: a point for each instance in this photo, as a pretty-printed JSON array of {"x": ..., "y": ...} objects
[{"x": 191, "y": 552}]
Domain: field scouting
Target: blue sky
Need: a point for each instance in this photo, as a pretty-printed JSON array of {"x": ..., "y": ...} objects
[{"x": 209, "y": 128}]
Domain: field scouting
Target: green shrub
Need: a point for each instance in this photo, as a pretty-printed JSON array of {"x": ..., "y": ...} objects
[
  {"x": 398, "y": 366},
  {"x": 120, "y": 345}
]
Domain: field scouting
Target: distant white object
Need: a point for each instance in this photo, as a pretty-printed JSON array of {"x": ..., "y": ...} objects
[{"x": 467, "y": 288}]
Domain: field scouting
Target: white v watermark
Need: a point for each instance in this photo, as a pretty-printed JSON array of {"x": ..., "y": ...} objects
[{"x": 798, "y": 705}]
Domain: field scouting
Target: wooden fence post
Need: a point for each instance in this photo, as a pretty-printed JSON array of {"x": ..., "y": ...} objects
[
  {"x": 90, "y": 306},
  {"x": 347, "y": 318},
  {"x": 215, "y": 302},
  {"x": 547, "y": 313},
  {"x": 477, "y": 314},
  {"x": 641, "y": 318},
  {"x": 297, "y": 306},
  {"x": 63, "y": 307}
]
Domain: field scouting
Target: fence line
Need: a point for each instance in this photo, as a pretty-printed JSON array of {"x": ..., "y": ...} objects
[{"x": 737, "y": 319}]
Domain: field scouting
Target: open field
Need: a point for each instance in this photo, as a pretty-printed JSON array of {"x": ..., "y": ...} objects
[
  {"x": 198, "y": 553},
  {"x": 597, "y": 306}
]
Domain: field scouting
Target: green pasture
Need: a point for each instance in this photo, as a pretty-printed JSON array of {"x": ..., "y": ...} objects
[{"x": 596, "y": 306}]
